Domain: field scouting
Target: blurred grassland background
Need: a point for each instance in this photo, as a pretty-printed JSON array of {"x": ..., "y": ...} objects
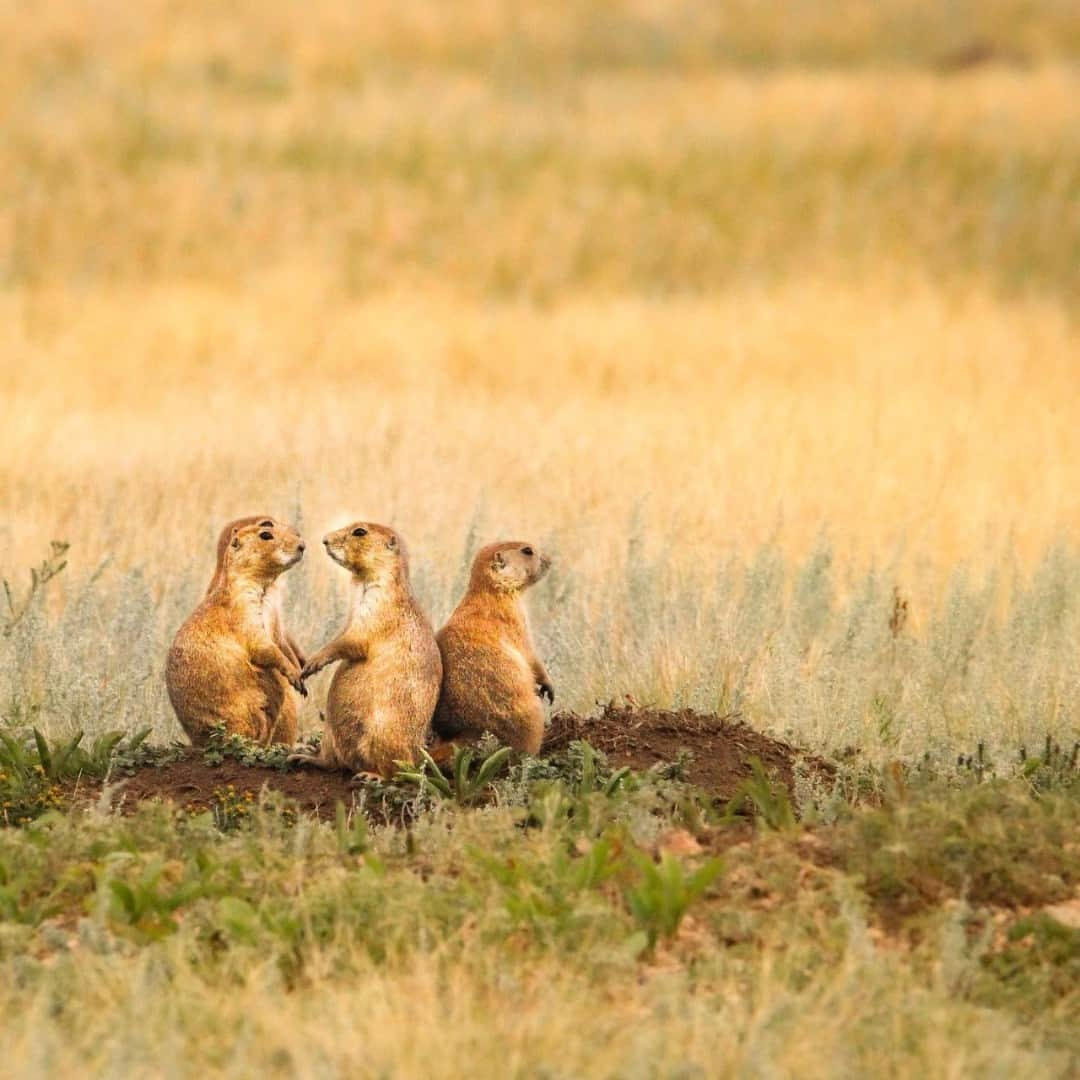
[{"x": 760, "y": 316}]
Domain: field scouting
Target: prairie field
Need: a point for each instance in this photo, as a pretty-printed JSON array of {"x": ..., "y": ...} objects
[{"x": 760, "y": 318}]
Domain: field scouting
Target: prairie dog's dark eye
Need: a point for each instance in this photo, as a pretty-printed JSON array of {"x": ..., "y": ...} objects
[
  {"x": 527, "y": 551},
  {"x": 266, "y": 536},
  {"x": 359, "y": 532}
]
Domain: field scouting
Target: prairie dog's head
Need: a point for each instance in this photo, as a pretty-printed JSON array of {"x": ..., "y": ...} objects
[
  {"x": 260, "y": 551},
  {"x": 508, "y": 566},
  {"x": 368, "y": 551},
  {"x": 267, "y": 521}
]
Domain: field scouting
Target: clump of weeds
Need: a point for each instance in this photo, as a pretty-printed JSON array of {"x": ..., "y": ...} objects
[
  {"x": 221, "y": 746},
  {"x": 461, "y": 784}
]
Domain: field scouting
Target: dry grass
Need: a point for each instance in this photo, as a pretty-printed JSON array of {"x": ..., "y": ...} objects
[
  {"x": 505, "y": 1022},
  {"x": 611, "y": 277},
  {"x": 647, "y": 182},
  {"x": 892, "y": 417},
  {"x": 880, "y": 946},
  {"x": 748, "y": 311}
]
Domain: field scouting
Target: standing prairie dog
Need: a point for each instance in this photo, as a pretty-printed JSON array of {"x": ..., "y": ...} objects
[
  {"x": 225, "y": 665},
  {"x": 282, "y": 701},
  {"x": 492, "y": 678},
  {"x": 383, "y": 695},
  {"x": 274, "y": 594}
]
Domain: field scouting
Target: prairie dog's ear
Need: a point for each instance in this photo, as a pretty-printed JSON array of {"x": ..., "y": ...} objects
[
  {"x": 235, "y": 540},
  {"x": 498, "y": 561},
  {"x": 391, "y": 542}
]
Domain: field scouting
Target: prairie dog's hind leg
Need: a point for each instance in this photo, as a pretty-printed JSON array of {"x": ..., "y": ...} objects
[
  {"x": 326, "y": 757},
  {"x": 283, "y": 729},
  {"x": 311, "y": 761}
]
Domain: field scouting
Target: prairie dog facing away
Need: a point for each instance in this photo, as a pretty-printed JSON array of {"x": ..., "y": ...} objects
[
  {"x": 225, "y": 664},
  {"x": 381, "y": 700},
  {"x": 492, "y": 678}
]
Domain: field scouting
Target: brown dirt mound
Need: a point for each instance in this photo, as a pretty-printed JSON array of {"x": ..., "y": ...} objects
[
  {"x": 640, "y": 738},
  {"x": 195, "y": 785},
  {"x": 721, "y": 745}
]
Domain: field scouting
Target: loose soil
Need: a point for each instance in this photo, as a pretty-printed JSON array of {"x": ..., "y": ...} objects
[
  {"x": 195, "y": 785},
  {"x": 721, "y": 746},
  {"x": 720, "y": 749}
]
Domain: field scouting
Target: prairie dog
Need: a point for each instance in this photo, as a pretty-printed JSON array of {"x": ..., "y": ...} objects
[
  {"x": 381, "y": 700},
  {"x": 282, "y": 702},
  {"x": 275, "y": 594},
  {"x": 225, "y": 664},
  {"x": 492, "y": 678}
]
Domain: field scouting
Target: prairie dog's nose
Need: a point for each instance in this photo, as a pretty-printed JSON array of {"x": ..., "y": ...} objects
[
  {"x": 301, "y": 547},
  {"x": 326, "y": 541}
]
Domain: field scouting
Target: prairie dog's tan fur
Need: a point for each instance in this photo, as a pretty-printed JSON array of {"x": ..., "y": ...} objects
[
  {"x": 274, "y": 594},
  {"x": 228, "y": 663},
  {"x": 380, "y": 704},
  {"x": 492, "y": 678},
  {"x": 282, "y": 701}
]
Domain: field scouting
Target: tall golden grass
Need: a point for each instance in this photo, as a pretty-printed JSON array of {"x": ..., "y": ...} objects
[
  {"x": 751, "y": 312},
  {"x": 647, "y": 285},
  {"x": 915, "y": 417}
]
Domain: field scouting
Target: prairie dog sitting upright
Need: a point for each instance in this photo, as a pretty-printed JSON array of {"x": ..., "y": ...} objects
[
  {"x": 228, "y": 664},
  {"x": 380, "y": 704},
  {"x": 492, "y": 678}
]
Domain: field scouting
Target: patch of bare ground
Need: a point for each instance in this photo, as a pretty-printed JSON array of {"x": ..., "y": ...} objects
[
  {"x": 195, "y": 784},
  {"x": 720, "y": 748}
]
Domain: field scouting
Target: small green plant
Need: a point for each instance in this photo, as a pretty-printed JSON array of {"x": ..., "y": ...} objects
[
  {"x": 62, "y": 760},
  {"x": 771, "y": 805},
  {"x": 40, "y": 576},
  {"x": 548, "y": 894},
  {"x": 595, "y": 775},
  {"x": 679, "y": 769},
  {"x": 231, "y": 808},
  {"x": 25, "y": 792},
  {"x": 1054, "y": 768},
  {"x": 462, "y": 786},
  {"x": 550, "y": 804},
  {"x": 222, "y": 746},
  {"x": 17, "y": 759},
  {"x": 68, "y": 758},
  {"x": 21, "y": 803},
  {"x": 145, "y": 904},
  {"x": 580, "y": 767},
  {"x": 135, "y": 753},
  {"x": 32, "y": 769},
  {"x": 352, "y": 837},
  {"x": 665, "y": 891},
  {"x": 1034, "y": 969}
]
